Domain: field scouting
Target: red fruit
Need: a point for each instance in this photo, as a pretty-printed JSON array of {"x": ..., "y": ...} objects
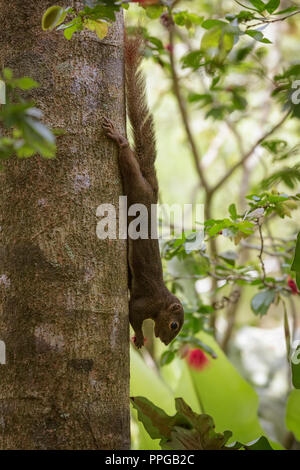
[
  {"x": 197, "y": 359},
  {"x": 293, "y": 286}
]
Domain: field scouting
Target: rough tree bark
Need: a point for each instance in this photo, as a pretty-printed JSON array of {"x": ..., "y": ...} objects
[{"x": 63, "y": 291}]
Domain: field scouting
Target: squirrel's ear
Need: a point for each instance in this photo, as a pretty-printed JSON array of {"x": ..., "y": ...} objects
[{"x": 174, "y": 308}]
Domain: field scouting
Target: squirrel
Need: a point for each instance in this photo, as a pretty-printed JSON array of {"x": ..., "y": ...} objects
[{"x": 149, "y": 297}]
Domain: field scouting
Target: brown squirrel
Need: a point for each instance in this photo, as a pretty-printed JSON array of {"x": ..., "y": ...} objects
[{"x": 149, "y": 297}]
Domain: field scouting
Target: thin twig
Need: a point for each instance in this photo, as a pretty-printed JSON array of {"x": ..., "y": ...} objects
[
  {"x": 248, "y": 154},
  {"x": 267, "y": 252},
  {"x": 260, "y": 256},
  {"x": 274, "y": 20}
]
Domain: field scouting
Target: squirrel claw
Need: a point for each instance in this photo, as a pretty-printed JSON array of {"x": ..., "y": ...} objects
[
  {"x": 107, "y": 124},
  {"x": 111, "y": 132}
]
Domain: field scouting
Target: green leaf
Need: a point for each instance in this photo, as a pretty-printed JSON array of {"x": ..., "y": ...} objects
[
  {"x": 298, "y": 280},
  {"x": 25, "y": 83},
  {"x": 275, "y": 146},
  {"x": 242, "y": 53},
  {"x": 41, "y": 130},
  {"x": 293, "y": 413},
  {"x": 258, "y": 4},
  {"x": 146, "y": 382},
  {"x": 208, "y": 24},
  {"x": 100, "y": 27},
  {"x": 258, "y": 36},
  {"x": 272, "y": 5},
  {"x": 217, "y": 42},
  {"x": 7, "y": 73},
  {"x": 101, "y": 12},
  {"x": 296, "y": 261},
  {"x": 157, "y": 423},
  {"x": 193, "y": 59},
  {"x": 52, "y": 17},
  {"x": 232, "y": 211},
  {"x": 260, "y": 444},
  {"x": 39, "y": 137},
  {"x": 244, "y": 16},
  {"x": 167, "y": 357},
  {"x": 70, "y": 30},
  {"x": 185, "y": 430},
  {"x": 156, "y": 42},
  {"x": 289, "y": 175},
  {"x": 205, "y": 98},
  {"x": 154, "y": 11},
  {"x": 295, "y": 365},
  {"x": 220, "y": 391},
  {"x": 261, "y": 302},
  {"x": 287, "y": 10},
  {"x": 187, "y": 19}
]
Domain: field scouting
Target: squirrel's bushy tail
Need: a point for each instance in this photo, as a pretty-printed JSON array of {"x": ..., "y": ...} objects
[{"x": 140, "y": 117}]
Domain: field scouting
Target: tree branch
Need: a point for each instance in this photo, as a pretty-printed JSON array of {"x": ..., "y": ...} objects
[
  {"x": 248, "y": 154},
  {"x": 261, "y": 251},
  {"x": 184, "y": 116}
]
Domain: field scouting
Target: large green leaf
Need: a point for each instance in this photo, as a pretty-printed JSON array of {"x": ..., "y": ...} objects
[
  {"x": 221, "y": 392},
  {"x": 184, "y": 430},
  {"x": 145, "y": 382},
  {"x": 187, "y": 430},
  {"x": 156, "y": 421},
  {"x": 293, "y": 413},
  {"x": 295, "y": 365},
  {"x": 217, "y": 390}
]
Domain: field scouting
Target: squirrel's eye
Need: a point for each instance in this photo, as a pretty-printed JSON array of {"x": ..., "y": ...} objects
[{"x": 174, "y": 325}]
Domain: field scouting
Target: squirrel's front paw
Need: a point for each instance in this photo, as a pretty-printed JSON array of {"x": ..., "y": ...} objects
[
  {"x": 111, "y": 132},
  {"x": 138, "y": 341},
  {"x": 108, "y": 128}
]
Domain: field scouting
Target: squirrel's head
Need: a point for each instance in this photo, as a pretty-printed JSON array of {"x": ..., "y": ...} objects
[{"x": 169, "y": 322}]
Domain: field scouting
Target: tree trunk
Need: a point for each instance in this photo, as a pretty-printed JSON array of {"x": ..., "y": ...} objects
[{"x": 64, "y": 307}]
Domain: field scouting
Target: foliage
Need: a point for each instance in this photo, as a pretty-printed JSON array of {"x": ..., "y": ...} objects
[
  {"x": 96, "y": 16},
  {"x": 187, "y": 430},
  {"x": 216, "y": 389},
  {"x": 293, "y": 413},
  {"x": 26, "y": 134},
  {"x": 229, "y": 46},
  {"x": 296, "y": 261}
]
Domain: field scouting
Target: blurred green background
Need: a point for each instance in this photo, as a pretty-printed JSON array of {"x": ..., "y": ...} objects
[{"x": 246, "y": 391}]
